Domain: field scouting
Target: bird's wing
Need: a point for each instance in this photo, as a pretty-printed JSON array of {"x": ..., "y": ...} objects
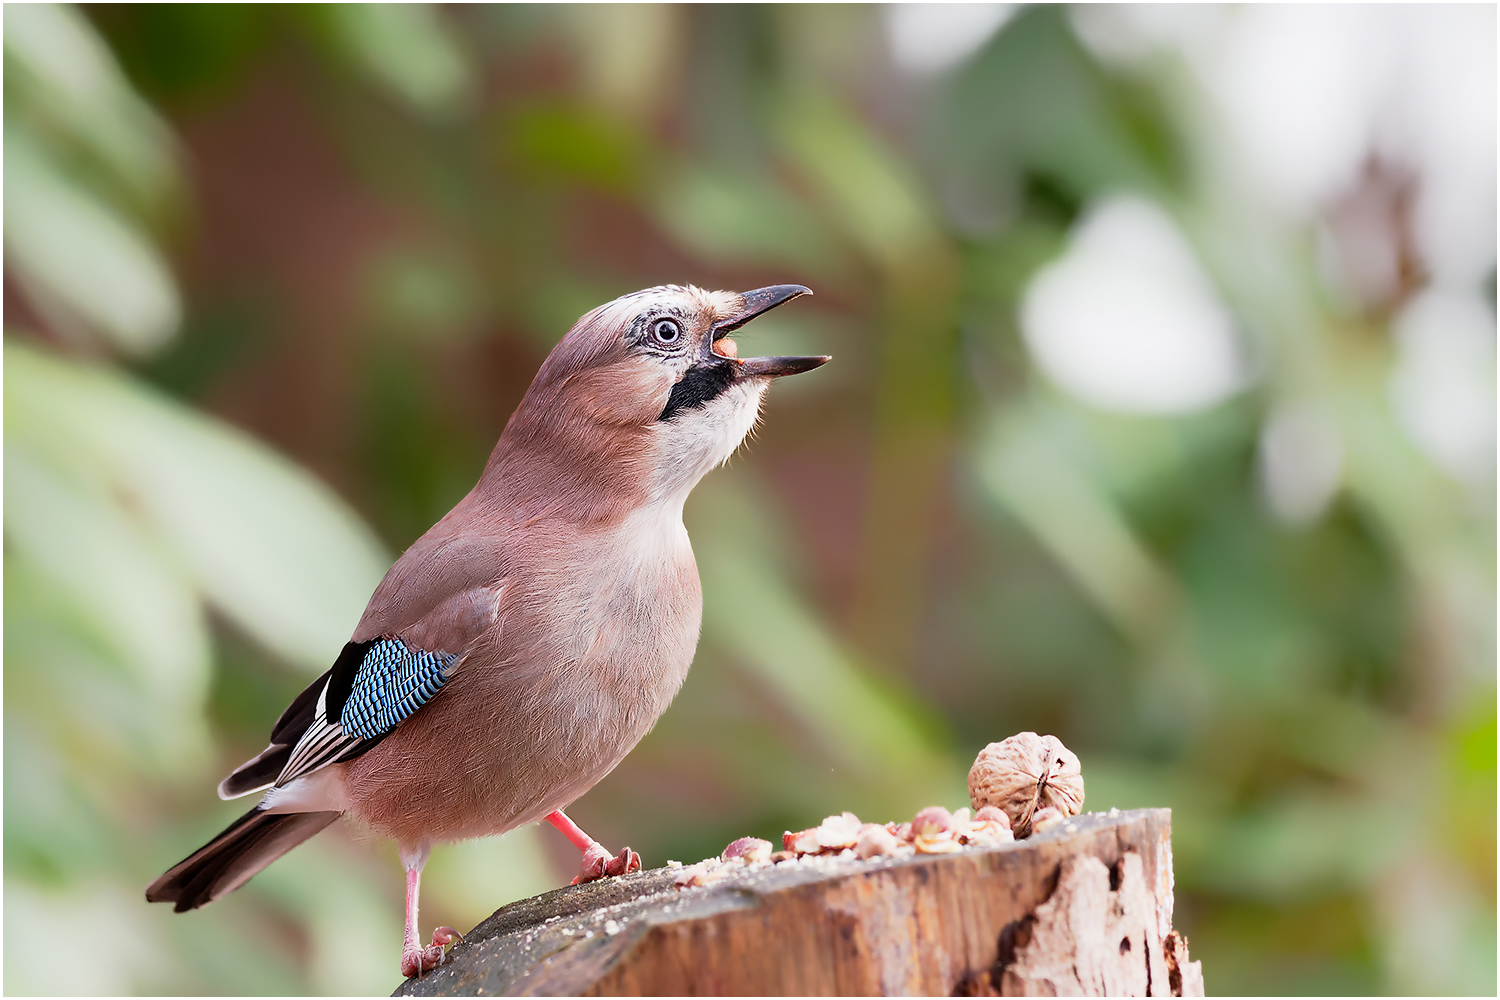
[
  {"x": 358, "y": 707},
  {"x": 382, "y": 678}
]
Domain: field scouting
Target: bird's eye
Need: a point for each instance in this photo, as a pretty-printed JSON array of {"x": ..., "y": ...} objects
[{"x": 666, "y": 332}]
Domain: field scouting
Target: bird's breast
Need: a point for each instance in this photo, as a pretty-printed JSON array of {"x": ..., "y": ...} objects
[
  {"x": 629, "y": 602},
  {"x": 596, "y": 633}
]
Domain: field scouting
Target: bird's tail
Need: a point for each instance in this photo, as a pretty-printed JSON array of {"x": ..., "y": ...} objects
[{"x": 225, "y": 863}]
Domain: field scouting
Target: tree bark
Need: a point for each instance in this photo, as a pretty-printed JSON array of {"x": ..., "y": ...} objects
[{"x": 1082, "y": 908}]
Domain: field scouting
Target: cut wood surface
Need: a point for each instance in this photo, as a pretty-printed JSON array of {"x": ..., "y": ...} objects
[{"x": 1082, "y": 908}]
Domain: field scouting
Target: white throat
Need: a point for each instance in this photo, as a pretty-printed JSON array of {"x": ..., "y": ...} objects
[{"x": 696, "y": 440}]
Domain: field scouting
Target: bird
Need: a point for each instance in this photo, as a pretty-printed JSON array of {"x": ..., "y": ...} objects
[{"x": 522, "y": 646}]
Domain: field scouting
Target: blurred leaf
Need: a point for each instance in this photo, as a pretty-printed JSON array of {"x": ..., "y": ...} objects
[
  {"x": 1033, "y": 100},
  {"x": 423, "y": 294},
  {"x": 1307, "y": 846},
  {"x": 75, "y": 253},
  {"x": 554, "y": 142},
  {"x": 628, "y": 52},
  {"x": 464, "y": 883},
  {"x": 878, "y": 735},
  {"x": 871, "y": 194},
  {"x": 1029, "y": 467},
  {"x": 739, "y": 216},
  {"x": 408, "y": 49},
  {"x": 111, "y": 584},
  {"x": 121, "y": 949},
  {"x": 274, "y": 551},
  {"x": 192, "y": 51},
  {"x": 66, "y": 85}
]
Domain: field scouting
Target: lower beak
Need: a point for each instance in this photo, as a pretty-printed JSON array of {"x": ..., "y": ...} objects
[{"x": 777, "y": 367}]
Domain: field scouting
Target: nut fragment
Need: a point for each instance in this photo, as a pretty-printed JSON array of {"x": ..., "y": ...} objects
[
  {"x": 801, "y": 842},
  {"x": 703, "y": 873},
  {"x": 933, "y": 831},
  {"x": 834, "y": 834},
  {"x": 989, "y": 828},
  {"x": 1024, "y": 774},
  {"x": 931, "y": 822},
  {"x": 748, "y": 850},
  {"x": 875, "y": 841},
  {"x": 992, "y": 814},
  {"x": 1044, "y": 818},
  {"x": 837, "y": 832}
]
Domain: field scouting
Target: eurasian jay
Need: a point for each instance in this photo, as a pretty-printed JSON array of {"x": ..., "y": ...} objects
[{"x": 515, "y": 654}]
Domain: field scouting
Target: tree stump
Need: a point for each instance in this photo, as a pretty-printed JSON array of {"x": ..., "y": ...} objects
[{"x": 1082, "y": 908}]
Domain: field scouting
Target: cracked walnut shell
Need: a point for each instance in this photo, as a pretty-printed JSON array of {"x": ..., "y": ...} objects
[{"x": 1025, "y": 774}]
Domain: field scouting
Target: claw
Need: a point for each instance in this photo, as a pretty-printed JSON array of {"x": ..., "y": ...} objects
[
  {"x": 596, "y": 861},
  {"x": 597, "y": 864},
  {"x": 415, "y": 960},
  {"x": 628, "y": 861}
]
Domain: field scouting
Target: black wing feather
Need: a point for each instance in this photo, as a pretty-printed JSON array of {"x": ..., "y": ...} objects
[{"x": 266, "y": 767}]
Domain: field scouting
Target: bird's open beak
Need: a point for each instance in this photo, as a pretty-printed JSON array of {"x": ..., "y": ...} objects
[{"x": 756, "y": 302}]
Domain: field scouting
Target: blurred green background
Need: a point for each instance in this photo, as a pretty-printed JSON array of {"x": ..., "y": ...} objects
[{"x": 1162, "y": 419}]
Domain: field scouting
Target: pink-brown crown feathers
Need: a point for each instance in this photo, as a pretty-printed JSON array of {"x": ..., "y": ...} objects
[{"x": 635, "y": 402}]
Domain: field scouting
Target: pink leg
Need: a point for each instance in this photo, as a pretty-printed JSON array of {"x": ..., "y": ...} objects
[
  {"x": 415, "y": 959},
  {"x": 597, "y": 862}
]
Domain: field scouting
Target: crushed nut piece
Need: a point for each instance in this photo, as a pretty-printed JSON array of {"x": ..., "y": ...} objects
[
  {"x": 875, "y": 841},
  {"x": 703, "y": 873},
  {"x": 749, "y": 851},
  {"x": 1045, "y": 818},
  {"x": 802, "y": 842},
  {"x": 839, "y": 831},
  {"x": 933, "y": 831},
  {"x": 932, "y": 821}
]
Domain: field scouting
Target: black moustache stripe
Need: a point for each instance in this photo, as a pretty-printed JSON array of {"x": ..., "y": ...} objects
[{"x": 700, "y": 385}]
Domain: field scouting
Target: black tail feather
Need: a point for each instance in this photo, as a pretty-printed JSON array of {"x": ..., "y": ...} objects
[{"x": 225, "y": 863}]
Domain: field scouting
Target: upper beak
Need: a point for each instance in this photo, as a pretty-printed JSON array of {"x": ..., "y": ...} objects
[{"x": 758, "y": 301}]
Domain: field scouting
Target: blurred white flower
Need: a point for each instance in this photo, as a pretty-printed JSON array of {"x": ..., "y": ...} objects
[
  {"x": 1300, "y": 89},
  {"x": 1127, "y": 319},
  {"x": 927, "y": 38},
  {"x": 1301, "y": 462},
  {"x": 1308, "y": 94},
  {"x": 1443, "y": 385},
  {"x": 1443, "y": 126}
]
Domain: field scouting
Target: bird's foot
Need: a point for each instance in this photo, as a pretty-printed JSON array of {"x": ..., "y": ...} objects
[
  {"x": 598, "y": 863},
  {"x": 416, "y": 960}
]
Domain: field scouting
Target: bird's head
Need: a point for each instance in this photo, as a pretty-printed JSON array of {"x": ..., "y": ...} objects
[{"x": 649, "y": 391}]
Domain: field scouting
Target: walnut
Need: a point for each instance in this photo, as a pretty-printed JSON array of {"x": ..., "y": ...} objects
[{"x": 1024, "y": 774}]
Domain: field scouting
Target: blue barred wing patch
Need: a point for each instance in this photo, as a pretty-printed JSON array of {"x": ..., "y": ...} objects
[{"x": 392, "y": 683}]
